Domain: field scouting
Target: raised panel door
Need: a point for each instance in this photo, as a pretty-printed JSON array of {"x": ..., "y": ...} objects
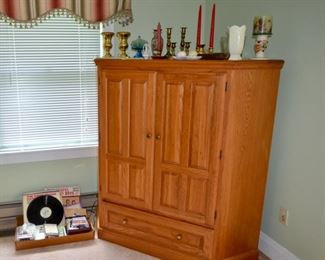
[
  {"x": 126, "y": 129},
  {"x": 188, "y": 132}
]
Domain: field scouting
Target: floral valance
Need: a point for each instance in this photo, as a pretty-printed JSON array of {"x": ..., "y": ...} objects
[{"x": 29, "y": 12}]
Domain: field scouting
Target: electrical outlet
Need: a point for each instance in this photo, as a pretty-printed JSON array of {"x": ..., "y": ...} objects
[{"x": 283, "y": 216}]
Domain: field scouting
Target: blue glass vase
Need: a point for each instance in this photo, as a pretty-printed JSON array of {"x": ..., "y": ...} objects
[{"x": 137, "y": 45}]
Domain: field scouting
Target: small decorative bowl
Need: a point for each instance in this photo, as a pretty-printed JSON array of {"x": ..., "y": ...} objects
[{"x": 137, "y": 45}]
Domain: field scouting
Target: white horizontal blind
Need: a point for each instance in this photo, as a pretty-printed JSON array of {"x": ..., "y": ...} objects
[{"x": 48, "y": 86}]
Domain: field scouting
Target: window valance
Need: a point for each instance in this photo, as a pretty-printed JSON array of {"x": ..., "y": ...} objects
[{"x": 26, "y": 13}]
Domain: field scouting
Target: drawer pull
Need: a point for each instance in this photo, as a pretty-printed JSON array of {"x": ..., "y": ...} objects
[
  {"x": 158, "y": 137},
  {"x": 148, "y": 135},
  {"x": 124, "y": 221},
  {"x": 179, "y": 237}
]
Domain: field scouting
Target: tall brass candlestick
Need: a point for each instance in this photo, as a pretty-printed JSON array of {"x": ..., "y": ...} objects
[
  {"x": 169, "y": 44},
  {"x": 183, "y": 33},
  {"x": 107, "y": 43},
  {"x": 173, "y": 48},
  {"x": 187, "y": 47},
  {"x": 123, "y": 38}
]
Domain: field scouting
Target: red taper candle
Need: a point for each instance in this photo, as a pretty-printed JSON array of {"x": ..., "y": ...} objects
[
  {"x": 213, "y": 18},
  {"x": 198, "y": 32}
]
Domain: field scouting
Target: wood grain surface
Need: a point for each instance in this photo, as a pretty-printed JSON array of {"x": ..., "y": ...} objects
[{"x": 183, "y": 155}]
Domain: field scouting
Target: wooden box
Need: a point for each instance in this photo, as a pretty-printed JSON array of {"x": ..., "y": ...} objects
[{"x": 28, "y": 244}]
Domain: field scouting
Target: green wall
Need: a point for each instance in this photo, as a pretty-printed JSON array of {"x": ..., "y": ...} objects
[
  {"x": 170, "y": 13},
  {"x": 34, "y": 176}
]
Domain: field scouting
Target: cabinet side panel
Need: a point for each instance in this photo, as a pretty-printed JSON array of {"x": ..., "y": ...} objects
[{"x": 252, "y": 100}]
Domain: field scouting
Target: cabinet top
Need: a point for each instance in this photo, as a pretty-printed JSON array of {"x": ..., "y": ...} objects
[{"x": 153, "y": 64}]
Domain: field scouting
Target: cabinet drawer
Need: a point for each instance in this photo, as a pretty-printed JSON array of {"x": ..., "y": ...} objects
[{"x": 180, "y": 236}]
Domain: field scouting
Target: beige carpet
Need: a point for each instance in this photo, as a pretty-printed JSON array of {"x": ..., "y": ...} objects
[{"x": 86, "y": 250}]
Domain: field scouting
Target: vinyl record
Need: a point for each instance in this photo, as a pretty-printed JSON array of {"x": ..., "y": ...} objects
[{"x": 45, "y": 209}]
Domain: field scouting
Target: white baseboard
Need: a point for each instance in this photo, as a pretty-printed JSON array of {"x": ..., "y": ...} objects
[{"x": 273, "y": 249}]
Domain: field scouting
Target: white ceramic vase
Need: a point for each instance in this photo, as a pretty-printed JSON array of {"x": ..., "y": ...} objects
[
  {"x": 236, "y": 41},
  {"x": 260, "y": 46}
]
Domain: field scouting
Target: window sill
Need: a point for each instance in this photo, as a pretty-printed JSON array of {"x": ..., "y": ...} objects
[{"x": 48, "y": 155}]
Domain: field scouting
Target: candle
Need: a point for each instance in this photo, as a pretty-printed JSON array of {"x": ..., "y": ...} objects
[
  {"x": 159, "y": 36},
  {"x": 198, "y": 32},
  {"x": 262, "y": 25},
  {"x": 213, "y": 17}
]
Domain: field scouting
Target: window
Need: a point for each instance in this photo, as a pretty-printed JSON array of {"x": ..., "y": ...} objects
[{"x": 48, "y": 86}]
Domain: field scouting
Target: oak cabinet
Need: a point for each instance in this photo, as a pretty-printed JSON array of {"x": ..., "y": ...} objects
[{"x": 183, "y": 155}]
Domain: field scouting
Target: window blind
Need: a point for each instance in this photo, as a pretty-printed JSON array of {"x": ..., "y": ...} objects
[{"x": 48, "y": 86}]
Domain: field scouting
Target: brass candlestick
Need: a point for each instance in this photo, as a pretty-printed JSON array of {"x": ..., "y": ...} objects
[
  {"x": 200, "y": 49},
  {"x": 123, "y": 38},
  {"x": 187, "y": 47},
  {"x": 107, "y": 45},
  {"x": 169, "y": 35},
  {"x": 183, "y": 33},
  {"x": 173, "y": 48},
  {"x": 210, "y": 51}
]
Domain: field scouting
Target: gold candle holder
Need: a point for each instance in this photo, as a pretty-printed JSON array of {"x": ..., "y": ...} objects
[
  {"x": 210, "y": 51},
  {"x": 187, "y": 47},
  {"x": 183, "y": 33},
  {"x": 107, "y": 45},
  {"x": 123, "y": 38},
  {"x": 173, "y": 48},
  {"x": 200, "y": 49},
  {"x": 169, "y": 44}
]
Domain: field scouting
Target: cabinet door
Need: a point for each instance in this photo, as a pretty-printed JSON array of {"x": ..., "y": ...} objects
[
  {"x": 126, "y": 142},
  {"x": 188, "y": 132}
]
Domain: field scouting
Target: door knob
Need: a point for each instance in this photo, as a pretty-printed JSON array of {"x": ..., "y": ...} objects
[
  {"x": 124, "y": 221},
  {"x": 179, "y": 237},
  {"x": 158, "y": 137},
  {"x": 149, "y": 135}
]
